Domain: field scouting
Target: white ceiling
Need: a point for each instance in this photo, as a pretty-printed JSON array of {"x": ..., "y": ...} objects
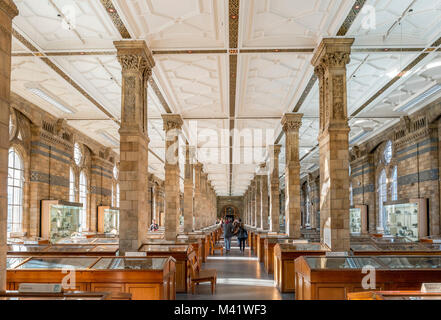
[{"x": 197, "y": 86}]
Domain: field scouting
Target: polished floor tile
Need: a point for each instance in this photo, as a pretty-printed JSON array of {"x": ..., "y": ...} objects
[{"x": 240, "y": 277}]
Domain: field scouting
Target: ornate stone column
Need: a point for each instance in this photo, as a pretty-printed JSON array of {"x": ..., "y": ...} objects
[
  {"x": 253, "y": 202},
  {"x": 291, "y": 123},
  {"x": 137, "y": 62},
  {"x": 188, "y": 189},
  {"x": 204, "y": 208},
  {"x": 264, "y": 196},
  {"x": 274, "y": 152},
  {"x": 8, "y": 11},
  {"x": 172, "y": 127},
  {"x": 198, "y": 202},
  {"x": 245, "y": 211},
  {"x": 330, "y": 60},
  {"x": 258, "y": 202}
]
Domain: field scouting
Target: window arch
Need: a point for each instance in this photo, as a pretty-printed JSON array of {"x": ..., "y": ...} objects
[
  {"x": 382, "y": 197},
  {"x": 394, "y": 184},
  {"x": 72, "y": 194},
  {"x": 15, "y": 191},
  {"x": 83, "y": 200},
  {"x": 117, "y": 195},
  {"x": 351, "y": 195},
  {"x": 78, "y": 154},
  {"x": 387, "y": 154}
]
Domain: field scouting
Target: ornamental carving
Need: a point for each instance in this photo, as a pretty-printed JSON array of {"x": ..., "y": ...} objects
[
  {"x": 172, "y": 122},
  {"x": 335, "y": 60},
  {"x": 132, "y": 62},
  {"x": 292, "y": 122},
  {"x": 8, "y": 7}
]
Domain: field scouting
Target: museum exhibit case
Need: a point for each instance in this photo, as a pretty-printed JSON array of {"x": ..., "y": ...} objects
[
  {"x": 332, "y": 278},
  {"x": 407, "y": 218},
  {"x": 62, "y": 250},
  {"x": 74, "y": 295},
  {"x": 108, "y": 220},
  {"x": 59, "y": 219},
  {"x": 393, "y": 295},
  {"x": 284, "y": 256},
  {"x": 180, "y": 253},
  {"x": 358, "y": 219},
  {"x": 144, "y": 278}
]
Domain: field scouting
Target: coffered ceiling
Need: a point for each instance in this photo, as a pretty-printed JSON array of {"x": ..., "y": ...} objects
[{"x": 227, "y": 65}]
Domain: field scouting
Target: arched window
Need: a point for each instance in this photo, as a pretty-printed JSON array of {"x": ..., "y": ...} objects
[
  {"x": 113, "y": 196},
  {"x": 78, "y": 155},
  {"x": 387, "y": 155},
  {"x": 382, "y": 197},
  {"x": 83, "y": 200},
  {"x": 117, "y": 195},
  {"x": 394, "y": 184},
  {"x": 351, "y": 195},
  {"x": 71, "y": 185},
  {"x": 15, "y": 192}
]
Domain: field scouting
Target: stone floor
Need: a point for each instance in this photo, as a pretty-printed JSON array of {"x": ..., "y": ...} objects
[{"x": 240, "y": 276}]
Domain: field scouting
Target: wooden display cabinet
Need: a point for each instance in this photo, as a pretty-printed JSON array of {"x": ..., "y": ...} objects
[
  {"x": 333, "y": 278},
  {"x": 180, "y": 254},
  {"x": 284, "y": 267},
  {"x": 142, "y": 277},
  {"x": 108, "y": 217},
  {"x": 393, "y": 295}
]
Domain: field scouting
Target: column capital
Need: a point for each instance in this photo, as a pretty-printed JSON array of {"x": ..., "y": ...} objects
[
  {"x": 9, "y": 7},
  {"x": 134, "y": 55},
  {"x": 274, "y": 150},
  {"x": 291, "y": 122},
  {"x": 172, "y": 121},
  {"x": 262, "y": 171},
  {"x": 198, "y": 166},
  {"x": 332, "y": 53}
]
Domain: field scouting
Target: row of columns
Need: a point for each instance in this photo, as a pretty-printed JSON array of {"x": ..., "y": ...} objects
[{"x": 329, "y": 61}]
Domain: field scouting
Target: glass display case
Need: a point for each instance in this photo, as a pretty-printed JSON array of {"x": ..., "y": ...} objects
[
  {"x": 358, "y": 219},
  {"x": 58, "y": 263},
  {"x": 406, "y": 218},
  {"x": 108, "y": 220},
  {"x": 59, "y": 219},
  {"x": 130, "y": 264}
]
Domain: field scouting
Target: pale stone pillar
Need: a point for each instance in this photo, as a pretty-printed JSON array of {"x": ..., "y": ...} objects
[
  {"x": 188, "y": 189},
  {"x": 258, "y": 203},
  {"x": 8, "y": 11},
  {"x": 330, "y": 60},
  {"x": 137, "y": 62},
  {"x": 172, "y": 127},
  {"x": 198, "y": 201},
  {"x": 274, "y": 152},
  {"x": 204, "y": 177},
  {"x": 291, "y": 124},
  {"x": 245, "y": 211},
  {"x": 253, "y": 202},
  {"x": 264, "y": 196}
]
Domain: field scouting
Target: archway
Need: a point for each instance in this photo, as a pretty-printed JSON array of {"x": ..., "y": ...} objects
[{"x": 230, "y": 211}]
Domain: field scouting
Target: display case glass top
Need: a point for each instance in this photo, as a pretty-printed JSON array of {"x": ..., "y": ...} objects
[
  {"x": 336, "y": 263},
  {"x": 12, "y": 262},
  {"x": 143, "y": 263},
  {"x": 27, "y": 248},
  {"x": 291, "y": 247},
  {"x": 58, "y": 263},
  {"x": 410, "y": 262},
  {"x": 72, "y": 248},
  {"x": 105, "y": 248},
  {"x": 363, "y": 247},
  {"x": 165, "y": 248}
]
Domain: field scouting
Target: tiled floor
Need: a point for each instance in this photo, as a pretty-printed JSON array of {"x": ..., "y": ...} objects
[{"x": 239, "y": 277}]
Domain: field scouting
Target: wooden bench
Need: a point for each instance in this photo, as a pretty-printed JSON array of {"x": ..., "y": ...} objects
[
  {"x": 216, "y": 247},
  {"x": 198, "y": 276}
]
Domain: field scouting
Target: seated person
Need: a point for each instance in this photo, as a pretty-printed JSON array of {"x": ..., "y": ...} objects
[{"x": 154, "y": 226}]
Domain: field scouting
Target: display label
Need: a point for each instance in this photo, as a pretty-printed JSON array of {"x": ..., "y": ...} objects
[
  {"x": 431, "y": 288},
  {"x": 136, "y": 254},
  {"x": 337, "y": 254},
  {"x": 39, "y": 288}
]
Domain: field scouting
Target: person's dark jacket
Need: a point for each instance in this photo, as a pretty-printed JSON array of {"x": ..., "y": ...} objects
[
  {"x": 228, "y": 230},
  {"x": 242, "y": 233}
]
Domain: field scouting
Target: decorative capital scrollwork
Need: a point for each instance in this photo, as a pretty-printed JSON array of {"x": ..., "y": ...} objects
[
  {"x": 292, "y": 122},
  {"x": 172, "y": 122}
]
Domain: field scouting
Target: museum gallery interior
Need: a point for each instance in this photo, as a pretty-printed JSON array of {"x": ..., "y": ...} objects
[{"x": 133, "y": 131}]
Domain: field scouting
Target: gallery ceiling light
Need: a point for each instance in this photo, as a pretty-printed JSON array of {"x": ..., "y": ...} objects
[
  {"x": 40, "y": 92},
  {"x": 418, "y": 100}
]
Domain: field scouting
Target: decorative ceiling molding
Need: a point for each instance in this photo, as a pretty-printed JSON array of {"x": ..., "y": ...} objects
[
  {"x": 46, "y": 60},
  {"x": 356, "y": 8},
  {"x": 64, "y": 53},
  {"x": 116, "y": 19}
]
